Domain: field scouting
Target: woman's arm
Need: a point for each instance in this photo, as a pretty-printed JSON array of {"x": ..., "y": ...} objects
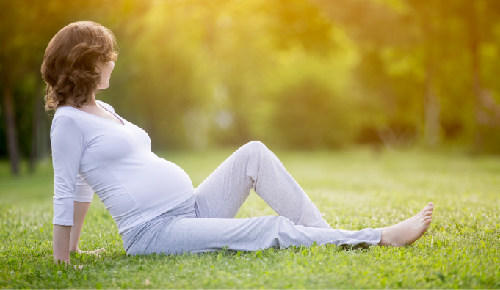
[
  {"x": 72, "y": 195},
  {"x": 79, "y": 212},
  {"x": 61, "y": 243},
  {"x": 66, "y": 237},
  {"x": 67, "y": 145}
]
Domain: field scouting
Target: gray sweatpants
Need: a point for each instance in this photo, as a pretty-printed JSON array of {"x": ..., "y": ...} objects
[{"x": 205, "y": 222}]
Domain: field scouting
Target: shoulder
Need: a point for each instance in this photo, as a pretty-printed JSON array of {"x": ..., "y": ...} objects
[
  {"x": 106, "y": 105},
  {"x": 64, "y": 120}
]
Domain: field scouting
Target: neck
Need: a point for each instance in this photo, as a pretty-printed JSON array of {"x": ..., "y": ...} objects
[{"x": 90, "y": 102}]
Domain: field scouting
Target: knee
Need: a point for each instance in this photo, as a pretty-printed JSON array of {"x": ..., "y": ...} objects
[
  {"x": 254, "y": 152},
  {"x": 255, "y": 145},
  {"x": 254, "y": 148}
]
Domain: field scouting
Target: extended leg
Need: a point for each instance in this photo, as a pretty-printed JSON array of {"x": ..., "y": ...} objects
[
  {"x": 254, "y": 166},
  {"x": 248, "y": 234},
  {"x": 190, "y": 234}
]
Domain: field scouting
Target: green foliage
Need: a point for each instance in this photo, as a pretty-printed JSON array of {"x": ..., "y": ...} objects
[
  {"x": 197, "y": 73},
  {"x": 165, "y": 83},
  {"x": 354, "y": 189},
  {"x": 299, "y": 23},
  {"x": 309, "y": 116}
]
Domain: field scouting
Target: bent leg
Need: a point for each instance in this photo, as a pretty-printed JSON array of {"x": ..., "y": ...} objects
[
  {"x": 254, "y": 166},
  {"x": 247, "y": 234}
]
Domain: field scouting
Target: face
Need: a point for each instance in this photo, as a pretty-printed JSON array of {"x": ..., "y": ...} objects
[{"x": 106, "y": 68}]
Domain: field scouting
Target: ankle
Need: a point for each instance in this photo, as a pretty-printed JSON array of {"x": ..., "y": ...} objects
[{"x": 385, "y": 239}]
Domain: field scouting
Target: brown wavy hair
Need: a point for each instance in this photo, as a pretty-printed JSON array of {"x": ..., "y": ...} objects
[{"x": 69, "y": 65}]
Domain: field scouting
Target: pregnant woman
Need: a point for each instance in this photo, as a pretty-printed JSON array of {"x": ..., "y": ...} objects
[{"x": 152, "y": 200}]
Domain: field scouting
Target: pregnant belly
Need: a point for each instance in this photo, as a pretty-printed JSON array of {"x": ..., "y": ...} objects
[{"x": 159, "y": 180}]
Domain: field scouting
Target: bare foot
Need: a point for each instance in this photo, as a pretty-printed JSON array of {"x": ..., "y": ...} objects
[{"x": 409, "y": 230}]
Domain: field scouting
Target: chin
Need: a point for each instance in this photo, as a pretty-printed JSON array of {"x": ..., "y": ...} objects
[{"x": 103, "y": 87}]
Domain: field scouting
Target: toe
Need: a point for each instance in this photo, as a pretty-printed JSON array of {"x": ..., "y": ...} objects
[{"x": 427, "y": 208}]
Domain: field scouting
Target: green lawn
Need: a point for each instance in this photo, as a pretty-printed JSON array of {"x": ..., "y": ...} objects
[{"x": 354, "y": 189}]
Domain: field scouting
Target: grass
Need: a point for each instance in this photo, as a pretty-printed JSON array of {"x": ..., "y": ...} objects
[{"x": 354, "y": 189}]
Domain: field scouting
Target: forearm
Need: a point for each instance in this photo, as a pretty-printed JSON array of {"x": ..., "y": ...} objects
[
  {"x": 61, "y": 243},
  {"x": 79, "y": 213}
]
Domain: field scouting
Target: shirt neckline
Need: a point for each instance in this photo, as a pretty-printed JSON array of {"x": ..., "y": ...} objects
[{"x": 99, "y": 117}]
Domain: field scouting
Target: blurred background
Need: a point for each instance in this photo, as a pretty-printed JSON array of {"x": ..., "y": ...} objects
[{"x": 295, "y": 74}]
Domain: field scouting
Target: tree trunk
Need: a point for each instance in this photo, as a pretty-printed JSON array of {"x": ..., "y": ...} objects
[
  {"x": 432, "y": 106},
  {"x": 11, "y": 130},
  {"x": 35, "y": 133},
  {"x": 473, "y": 49},
  {"x": 432, "y": 110}
]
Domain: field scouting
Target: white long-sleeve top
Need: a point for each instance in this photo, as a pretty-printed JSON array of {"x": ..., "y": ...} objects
[{"x": 94, "y": 154}]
